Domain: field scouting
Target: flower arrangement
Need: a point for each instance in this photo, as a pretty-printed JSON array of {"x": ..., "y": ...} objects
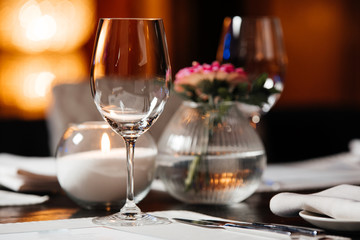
[{"x": 215, "y": 83}]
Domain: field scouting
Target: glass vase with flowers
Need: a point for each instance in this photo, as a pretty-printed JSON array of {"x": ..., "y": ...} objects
[{"x": 209, "y": 152}]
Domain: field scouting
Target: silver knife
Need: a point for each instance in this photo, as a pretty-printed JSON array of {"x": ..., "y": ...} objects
[
  {"x": 280, "y": 227},
  {"x": 294, "y": 234},
  {"x": 209, "y": 224}
]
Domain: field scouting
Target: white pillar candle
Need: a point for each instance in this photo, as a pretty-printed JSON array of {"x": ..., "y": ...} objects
[{"x": 98, "y": 176}]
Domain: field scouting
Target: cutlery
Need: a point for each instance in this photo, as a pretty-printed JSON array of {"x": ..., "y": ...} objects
[
  {"x": 273, "y": 234},
  {"x": 279, "y": 227},
  {"x": 291, "y": 232}
]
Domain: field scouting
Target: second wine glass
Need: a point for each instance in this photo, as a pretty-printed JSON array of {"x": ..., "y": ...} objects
[
  {"x": 256, "y": 45},
  {"x": 130, "y": 79}
]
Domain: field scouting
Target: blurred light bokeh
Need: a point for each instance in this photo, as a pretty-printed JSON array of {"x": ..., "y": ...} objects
[
  {"x": 26, "y": 80},
  {"x": 45, "y": 25},
  {"x": 41, "y": 46}
]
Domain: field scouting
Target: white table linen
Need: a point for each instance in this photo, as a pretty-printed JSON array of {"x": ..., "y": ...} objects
[
  {"x": 8, "y": 198},
  {"x": 24, "y": 174},
  {"x": 76, "y": 228}
]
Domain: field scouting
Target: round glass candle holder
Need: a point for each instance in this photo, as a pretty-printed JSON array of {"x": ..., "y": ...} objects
[{"x": 91, "y": 165}]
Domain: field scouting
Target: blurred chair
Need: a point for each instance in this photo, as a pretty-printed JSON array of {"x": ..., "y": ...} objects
[{"x": 73, "y": 103}]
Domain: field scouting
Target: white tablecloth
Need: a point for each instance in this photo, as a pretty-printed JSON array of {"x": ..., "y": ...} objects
[{"x": 83, "y": 228}]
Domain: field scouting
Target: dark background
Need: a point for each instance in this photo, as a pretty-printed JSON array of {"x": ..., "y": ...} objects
[{"x": 318, "y": 113}]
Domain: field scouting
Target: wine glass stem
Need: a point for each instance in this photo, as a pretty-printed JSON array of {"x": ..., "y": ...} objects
[{"x": 130, "y": 209}]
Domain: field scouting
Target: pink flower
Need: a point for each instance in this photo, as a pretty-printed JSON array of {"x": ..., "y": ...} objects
[
  {"x": 197, "y": 72},
  {"x": 197, "y": 82},
  {"x": 215, "y": 83}
]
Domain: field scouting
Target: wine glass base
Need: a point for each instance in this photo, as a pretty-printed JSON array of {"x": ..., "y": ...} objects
[{"x": 128, "y": 220}]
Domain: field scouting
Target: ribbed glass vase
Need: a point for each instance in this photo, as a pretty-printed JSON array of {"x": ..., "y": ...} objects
[{"x": 210, "y": 154}]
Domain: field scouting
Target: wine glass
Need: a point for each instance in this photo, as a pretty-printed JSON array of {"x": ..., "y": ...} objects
[
  {"x": 130, "y": 77},
  {"x": 256, "y": 45}
]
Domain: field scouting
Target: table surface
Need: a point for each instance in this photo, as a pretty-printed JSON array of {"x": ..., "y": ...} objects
[{"x": 253, "y": 209}]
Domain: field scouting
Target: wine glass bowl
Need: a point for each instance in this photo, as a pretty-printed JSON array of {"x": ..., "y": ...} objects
[
  {"x": 256, "y": 45},
  {"x": 130, "y": 77},
  {"x": 131, "y": 73}
]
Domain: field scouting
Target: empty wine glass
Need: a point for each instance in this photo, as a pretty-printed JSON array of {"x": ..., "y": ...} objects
[
  {"x": 130, "y": 79},
  {"x": 256, "y": 45}
]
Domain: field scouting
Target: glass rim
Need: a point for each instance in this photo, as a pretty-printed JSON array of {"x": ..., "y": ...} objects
[
  {"x": 270, "y": 18},
  {"x": 254, "y": 17},
  {"x": 132, "y": 19}
]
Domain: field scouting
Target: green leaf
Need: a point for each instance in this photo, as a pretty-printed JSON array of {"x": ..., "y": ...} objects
[
  {"x": 205, "y": 86},
  {"x": 189, "y": 180},
  {"x": 242, "y": 88},
  {"x": 189, "y": 92},
  {"x": 258, "y": 99},
  {"x": 188, "y": 87},
  {"x": 259, "y": 82},
  {"x": 224, "y": 93}
]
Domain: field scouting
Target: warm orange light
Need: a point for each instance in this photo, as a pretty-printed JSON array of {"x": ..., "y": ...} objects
[
  {"x": 49, "y": 33},
  {"x": 105, "y": 143},
  {"x": 46, "y": 25},
  {"x": 26, "y": 81}
]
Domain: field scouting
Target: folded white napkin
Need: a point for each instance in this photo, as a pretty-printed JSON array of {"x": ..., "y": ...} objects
[
  {"x": 28, "y": 173},
  {"x": 340, "y": 202},
  {"x": 14, "y": 199}
]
